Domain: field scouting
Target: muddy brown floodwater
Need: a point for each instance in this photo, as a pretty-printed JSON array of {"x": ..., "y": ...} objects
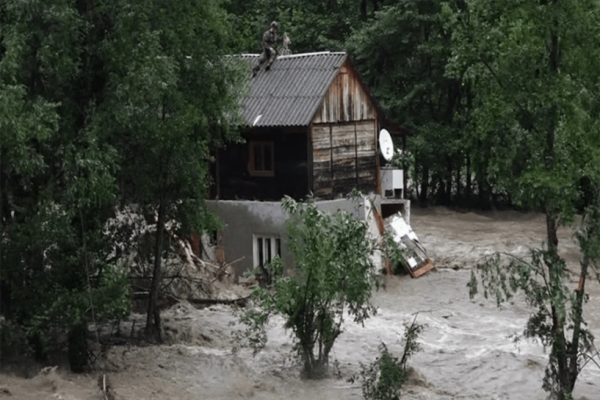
[{"x": 469, "y": 346}]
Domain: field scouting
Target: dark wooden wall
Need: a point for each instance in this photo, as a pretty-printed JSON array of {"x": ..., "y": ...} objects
[
  {"x": 290, "y": 166},
  {"x": 344, "y": 157}
]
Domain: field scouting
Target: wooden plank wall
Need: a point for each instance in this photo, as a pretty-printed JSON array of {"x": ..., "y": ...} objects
[
  {"x": 366, "y": 156},
  {"x": 344, "y": 157},
  {"x": 321, "y": 144},
  {"x": 346, "y": 100}
]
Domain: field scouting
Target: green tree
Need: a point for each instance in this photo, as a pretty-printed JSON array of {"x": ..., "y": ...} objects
[
  {"x": 535, "y": 75},
  {"x": 56, "y": 175},
  {"x": 334, "y": 276},
  {"x": 168, "y": 105},
  {"x": 312, "y": 25},
  {"x": 102, "y": 104},
  {"x": 383, "y": 379},
  {"x": 402, "y": 54}
]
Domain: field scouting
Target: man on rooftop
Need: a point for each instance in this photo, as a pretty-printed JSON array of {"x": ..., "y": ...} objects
[{"x": 268, "y": 43}]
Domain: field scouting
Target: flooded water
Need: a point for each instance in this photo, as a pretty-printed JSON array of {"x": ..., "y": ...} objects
[{"x": 469, "y": 346}]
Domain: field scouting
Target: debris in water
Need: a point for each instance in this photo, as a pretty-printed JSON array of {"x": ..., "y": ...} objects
[
  {"x": 104, "y": 385},
  {"x": 4, "y": 391},
  {"x": 416, "y": 261}
]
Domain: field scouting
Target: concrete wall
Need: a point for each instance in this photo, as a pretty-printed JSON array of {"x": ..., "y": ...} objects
[{"x": 243, "y": 219}]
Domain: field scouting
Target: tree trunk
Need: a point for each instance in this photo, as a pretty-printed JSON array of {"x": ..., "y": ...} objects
[
  {"x": 577, "y": 320},
  {"x": 78, "y": 348},
  {"x": 424, "y": 185},
  {"x": 559, "y": 347},
  {"x": 153, "y": 329},
  {"x": 448, "y": 184},
  {"x": 375, "y": 5},
  {"x": 458, "y": 183},
  {"x": 363, "y": 10},
  {"x": 468, "y": 180}
]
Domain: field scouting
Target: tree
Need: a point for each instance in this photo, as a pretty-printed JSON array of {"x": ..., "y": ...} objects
[
  {"x": 312, "y": 25},
  {"x": 102, "y": 104},
  {"x": 535, "y": 75},
  {"x": 334, "y": 276},
  {"x": 57, "y": 186},
  {"x": 384, "y": 378},
  {"x": 168, "y": 104},
  {"x": 402, "y": 54}
]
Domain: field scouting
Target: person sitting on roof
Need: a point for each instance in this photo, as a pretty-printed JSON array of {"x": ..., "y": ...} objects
[{"x": 269, "y": 53}]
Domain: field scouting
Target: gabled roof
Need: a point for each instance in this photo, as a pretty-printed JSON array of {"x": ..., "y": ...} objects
[{"x": 292, "y": 90}]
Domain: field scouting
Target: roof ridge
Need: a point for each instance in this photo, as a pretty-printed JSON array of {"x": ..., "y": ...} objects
[{"x": 317, "y": 53}]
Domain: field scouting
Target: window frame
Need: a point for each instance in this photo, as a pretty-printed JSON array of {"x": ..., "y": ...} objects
[
  {"x": 274, "y": 250},
  {"x": 251, "y": 158}
]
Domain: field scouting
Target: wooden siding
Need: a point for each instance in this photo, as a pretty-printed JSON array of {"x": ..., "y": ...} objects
[
  {"x": 344, "y": 157},
  {"x": 346, "y": 100}
]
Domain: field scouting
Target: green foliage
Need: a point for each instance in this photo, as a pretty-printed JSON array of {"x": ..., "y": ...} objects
[
  {"x": 383, "y": 379},
  {"x": 312, "y": 25},
  {"x": 402, "y": 54},
  {"x": 543, "y": 280},
  {"x": 13, "y": 341},
  {"x": 536, "y": 77},
  {"x": 334, "y": 277},
  {"x": 168, "y": 104},
  {"x": 101, "y": 106},
  {"x": 534, "y": 112}
]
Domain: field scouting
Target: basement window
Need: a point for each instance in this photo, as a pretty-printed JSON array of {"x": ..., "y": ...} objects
[
  {"x": 261, "y": 159},
  {"x": 266, "y": 247}
]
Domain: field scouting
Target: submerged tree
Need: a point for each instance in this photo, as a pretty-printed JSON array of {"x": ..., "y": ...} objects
[{"x": 334, "y": 277}]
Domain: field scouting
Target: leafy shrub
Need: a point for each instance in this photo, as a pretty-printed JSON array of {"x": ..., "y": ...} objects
[
  {"x": 334, "y": 277},
  {"x": 383, "y": 379}
]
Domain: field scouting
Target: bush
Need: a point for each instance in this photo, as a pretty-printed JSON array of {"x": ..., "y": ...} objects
[
  {"x": 384, "y": 378},
  {"x": 334, "y": 277}
]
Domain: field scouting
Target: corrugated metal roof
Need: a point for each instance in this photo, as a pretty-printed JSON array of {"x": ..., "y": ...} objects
[{"x": 292, "y": 90}]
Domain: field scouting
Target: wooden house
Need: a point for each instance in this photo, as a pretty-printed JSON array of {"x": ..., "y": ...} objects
[{"x": 312, "y": 127}]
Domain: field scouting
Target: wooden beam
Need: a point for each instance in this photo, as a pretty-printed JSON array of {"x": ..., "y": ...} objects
[
  {"x": 218, "y": 179},
  {"x": 356, "y": 155},
  {"x": 331, "y": 157},
  {"x": 377, "y": 171},
  {"x": 309, "y": 155}
]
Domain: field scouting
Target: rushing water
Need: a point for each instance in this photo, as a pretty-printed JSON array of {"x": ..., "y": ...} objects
[{"x": 470, "y": 347}]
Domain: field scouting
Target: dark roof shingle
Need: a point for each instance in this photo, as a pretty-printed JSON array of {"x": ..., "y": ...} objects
[{"x": 292, "y": 90}]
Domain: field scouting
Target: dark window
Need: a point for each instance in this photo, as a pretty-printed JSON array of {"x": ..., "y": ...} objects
[
  {"x": 261, "y": 259},
  {"x": 266, "y": 248},
  {"x": 258, "y": 155},
  {"x": 261, "y": 159}
]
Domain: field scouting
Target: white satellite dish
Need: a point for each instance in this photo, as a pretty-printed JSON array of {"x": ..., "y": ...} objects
[{"x": 386, "y": 145}]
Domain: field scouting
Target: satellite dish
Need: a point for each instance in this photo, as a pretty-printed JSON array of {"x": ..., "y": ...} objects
[{"x": 386, "y": 145}]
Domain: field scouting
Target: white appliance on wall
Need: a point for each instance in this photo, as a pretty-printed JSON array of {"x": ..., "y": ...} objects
[{"x": 392, "y": 179}]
